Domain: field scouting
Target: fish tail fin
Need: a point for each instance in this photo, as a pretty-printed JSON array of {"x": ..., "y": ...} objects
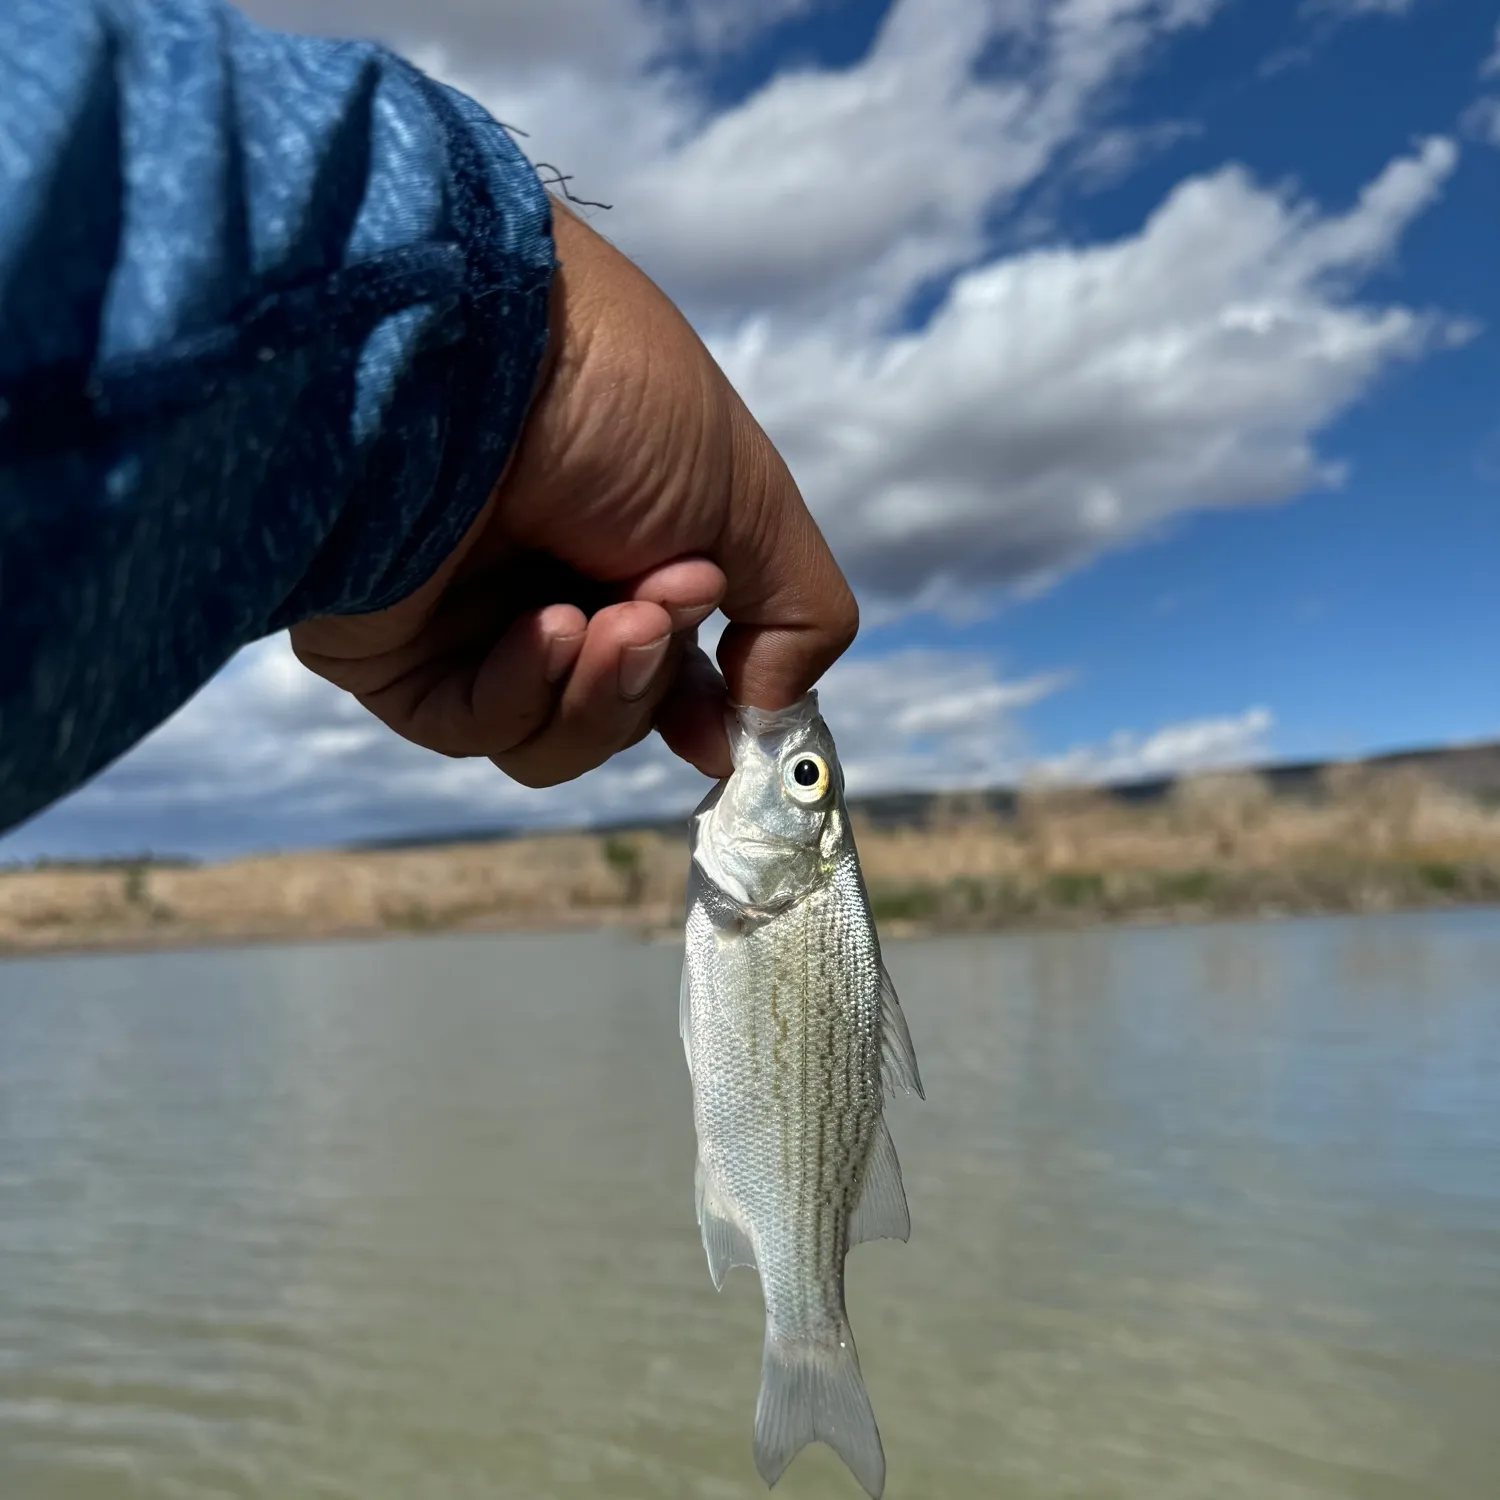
[{"x": 812, "y": 1391}]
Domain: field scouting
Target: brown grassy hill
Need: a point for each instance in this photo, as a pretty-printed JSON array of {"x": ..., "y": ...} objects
[{"x": 1412, "y": 830}]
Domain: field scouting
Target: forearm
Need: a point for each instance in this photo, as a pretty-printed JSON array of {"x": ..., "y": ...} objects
[{"x": 271, "y": 310}]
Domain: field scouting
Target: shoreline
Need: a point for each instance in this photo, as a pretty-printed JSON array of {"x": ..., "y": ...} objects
[
  {"x": 1220, "y": 847},
  {"x": 653, "y": 928}
]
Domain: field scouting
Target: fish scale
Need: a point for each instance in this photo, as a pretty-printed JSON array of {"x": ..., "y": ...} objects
[{"x": 794, "y": 1037}]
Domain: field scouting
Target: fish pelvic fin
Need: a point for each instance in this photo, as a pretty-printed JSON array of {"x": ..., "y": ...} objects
[
  {"x": 898, "y": 1056},
  {"x": 812, "y": 1391}
]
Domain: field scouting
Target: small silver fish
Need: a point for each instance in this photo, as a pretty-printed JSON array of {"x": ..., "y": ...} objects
[{"x": 793, "y": 1036}]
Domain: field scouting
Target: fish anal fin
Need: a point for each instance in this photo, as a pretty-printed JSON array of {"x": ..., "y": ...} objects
[
  {"x": 898, "y": 1061},
  {"x": 726, "y": 1245},
  {"x": 724, "y": 1242},
  {"x": 881, "y": 1213},
  {"x": 814, "y": 1392}
]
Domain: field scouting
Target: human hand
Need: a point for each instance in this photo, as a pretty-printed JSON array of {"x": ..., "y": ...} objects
[{"x": 641, "y": 496}]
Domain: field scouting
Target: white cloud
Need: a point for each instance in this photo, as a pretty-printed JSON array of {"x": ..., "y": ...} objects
[
  {"x": 1481, "y": 120},
  {"x": 1064, "y": 400},
  {"x": 929, "y": 718},
  {"x": 716, "y": 27},
  {"x": 1326, "y": 18},
  {"x": 1347, "y": 8},
  {"x": 604, "y": 35},
  {"x": 1195, "y": 745},
  {"x": 837, "y": 190},
  {"x": 1113, "y": 153},
  {"x": 599, "y": 34},
  {"x": 269, "y": 755}
]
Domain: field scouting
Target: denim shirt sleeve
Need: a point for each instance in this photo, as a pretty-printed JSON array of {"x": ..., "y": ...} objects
[{"x": 271, "y": 312}]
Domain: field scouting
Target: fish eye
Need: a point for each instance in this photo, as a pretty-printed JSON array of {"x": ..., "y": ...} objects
[{"x": 806, "y": 778}]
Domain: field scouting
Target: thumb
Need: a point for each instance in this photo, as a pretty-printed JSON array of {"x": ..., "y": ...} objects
[{"x": 790, "y": 610}]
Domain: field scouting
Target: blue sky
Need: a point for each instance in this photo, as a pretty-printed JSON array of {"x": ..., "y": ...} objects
[
  {"x": 1361, "y": 616},
  {"x": 1141, "y": 359}
]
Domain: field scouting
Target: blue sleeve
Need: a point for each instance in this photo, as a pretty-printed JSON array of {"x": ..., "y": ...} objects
[{"x": 271, "y": 312}]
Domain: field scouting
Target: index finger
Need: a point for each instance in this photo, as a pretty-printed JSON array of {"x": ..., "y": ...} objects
[{"x": 790, "y": 610}]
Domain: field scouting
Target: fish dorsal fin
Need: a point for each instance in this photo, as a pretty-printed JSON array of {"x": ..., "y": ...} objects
[
  {"x": 898, "y": 1062},
  {"x": 881, "y": 1213}
]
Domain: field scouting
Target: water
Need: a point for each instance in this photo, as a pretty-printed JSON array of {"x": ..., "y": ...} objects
[{"x": 1198, "y": 1213}]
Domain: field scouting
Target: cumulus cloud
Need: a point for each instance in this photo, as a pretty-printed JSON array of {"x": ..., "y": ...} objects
[
  {"x": 836, "y": 190},
  {"x": 1174, "y": 749},
  {"x": 925, "y": 718},
  {"x": 269, "y": 756},
  {"x": 1064, "y": 400},
  {"x": 1481, "y": 120}
]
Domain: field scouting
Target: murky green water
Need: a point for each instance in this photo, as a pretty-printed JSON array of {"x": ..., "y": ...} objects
[{"x": 1198, "y": 1213}]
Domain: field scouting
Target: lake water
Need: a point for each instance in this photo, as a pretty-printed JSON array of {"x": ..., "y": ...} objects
[{"x": 1199, "y": 1214}]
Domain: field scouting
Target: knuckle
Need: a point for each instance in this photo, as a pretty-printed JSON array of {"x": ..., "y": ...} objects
[
  {"x": 849, "y": 625},
  {"x": 843, "y": 621}
]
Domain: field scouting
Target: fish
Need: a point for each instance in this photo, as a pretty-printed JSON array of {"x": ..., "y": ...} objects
[{"x": 794, "y": 1039}]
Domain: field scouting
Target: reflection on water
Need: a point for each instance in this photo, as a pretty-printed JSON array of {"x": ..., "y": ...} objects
[{"x": 1198, "y": 1213}]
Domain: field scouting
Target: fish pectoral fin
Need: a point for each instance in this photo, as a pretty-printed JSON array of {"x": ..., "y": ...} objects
[
  {"x": 685, "y": 1015},
  {"x": 881, "y": 1213},
  {"x": 898, "y": 1059},
  {"x": 724, "y": 1242},
  {"x": 813, "y": 1392}
]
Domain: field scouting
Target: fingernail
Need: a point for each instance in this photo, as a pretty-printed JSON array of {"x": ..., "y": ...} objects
[
  {"x": 685, "y": 619},
  {"x": 639, "y": 666},
  {"x": 562, "y": 652}
]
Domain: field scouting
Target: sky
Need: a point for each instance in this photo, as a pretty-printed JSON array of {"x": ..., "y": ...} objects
[{"x": 1140, "y": 360}]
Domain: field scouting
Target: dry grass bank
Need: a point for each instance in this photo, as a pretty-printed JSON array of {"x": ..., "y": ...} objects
[
  {"x": 1369, "y": 839},
  {"x": 1217, "y": 845}
]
